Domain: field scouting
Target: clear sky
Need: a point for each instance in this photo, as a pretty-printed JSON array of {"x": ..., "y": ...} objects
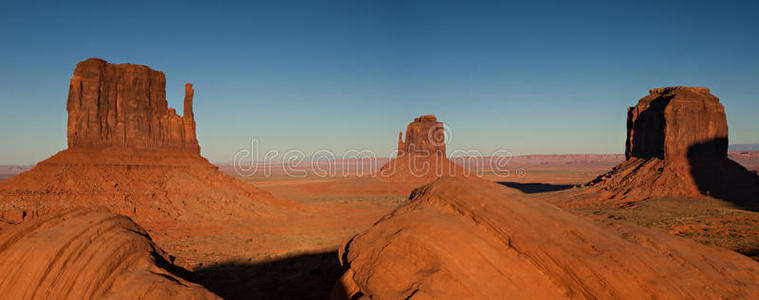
[{"x": 553, "y": 77}]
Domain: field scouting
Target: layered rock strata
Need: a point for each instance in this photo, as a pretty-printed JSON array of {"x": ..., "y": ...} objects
[
  {"x": 125, "y": 106},
  {"x": 89, "y": 254}
]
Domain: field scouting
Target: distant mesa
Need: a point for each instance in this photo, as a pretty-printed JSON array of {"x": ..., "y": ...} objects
[
  {"x": 130, "y": 152},
  {"x": 677, "y": 140},
  {"x": 463, "y": 239},
  {"x": 421, "y": 156},
  {"x": 89, "y": 254},
  {"x": 424, "y": 136},
  {"x": 743, "y": 147}
]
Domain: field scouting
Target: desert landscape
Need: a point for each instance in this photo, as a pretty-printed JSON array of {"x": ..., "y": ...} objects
[{"x": 146, "y": 201}]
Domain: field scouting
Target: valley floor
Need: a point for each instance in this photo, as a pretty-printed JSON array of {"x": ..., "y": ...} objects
[
  {"x": 297, "y": 257},
  {"x": 283, "y": 260}
]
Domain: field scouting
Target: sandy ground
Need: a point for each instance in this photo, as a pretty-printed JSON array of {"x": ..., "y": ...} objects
[{"x": 294, "y": 258}]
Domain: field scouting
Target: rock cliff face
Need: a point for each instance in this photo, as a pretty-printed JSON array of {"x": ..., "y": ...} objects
[
  {"x": 668, "y": 122},
  {"x": 677, "y": 147},
  {"x": 130, "y": 153},
  {"x": 424, "y": 136},
  {"x": 421, "y": 157},
  {"x": 125, "y": 106},
  {"x": 89, "y": 254},
  {"x": 460, "y": 239}
]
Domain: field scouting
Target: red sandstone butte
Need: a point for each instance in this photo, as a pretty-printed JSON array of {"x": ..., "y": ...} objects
[
  {"x": 670, "y": 122},
  {"x": 676, "y": 146},
  {"x": 466, "y": 239},
  {"x": 421, "y": 157},
  {"x": 424, "y": 136},
  {"x": 130, "y": 152},
  {"x": 125, "y": 105}
]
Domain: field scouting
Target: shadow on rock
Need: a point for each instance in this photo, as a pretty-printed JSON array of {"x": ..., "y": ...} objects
[
  {"x": 307, "y": 276},
  {"x": 722, "y": 178},
  {"x": 536, "y": 187},
  {"x": 646, "y": 133}
]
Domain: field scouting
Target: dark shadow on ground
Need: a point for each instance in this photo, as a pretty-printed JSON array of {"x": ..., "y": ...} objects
[
  {"x": 535, "y": 187},
  {"x": 307, "y": 276},
  {"x": 719, "y": 177}
]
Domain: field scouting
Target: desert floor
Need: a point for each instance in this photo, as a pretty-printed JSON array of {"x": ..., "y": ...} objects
[{"x": 254, "y": 258}]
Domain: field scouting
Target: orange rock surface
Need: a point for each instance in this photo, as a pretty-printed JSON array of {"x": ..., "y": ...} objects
[
  {"x": 147, "y": 185},
  {"x": 677, "y": 147},
  {"x": 421, "y": 157},
  {"x": 424, "y": 136},
  {"x": 88, "y": 254},
  {"x": 132, "y": 154},
  {"x": 125, "y": 106},
  {"x": 461, "y": 239},
  {"x": 670, "y": 121}
]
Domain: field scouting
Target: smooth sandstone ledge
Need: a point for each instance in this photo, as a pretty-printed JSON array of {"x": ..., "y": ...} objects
[
  {"x": 88, "y": 254},
  {"x": 460, "y": 239}
]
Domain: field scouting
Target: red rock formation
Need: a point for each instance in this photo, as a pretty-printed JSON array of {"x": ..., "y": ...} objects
[
  {"x": 461, "y": 239},
  {"x": 677, "y": 147},
  {"x": 125, "y": 106},
  {"x": 188, "y": 120},
  {"x": 132, "y": 154},
  {"x": 401, "y": 146},
  {"x": 89, "y": 254},
  {"x": 421, "y": 158},
  {"x": 148, "y": 186},
  {"x": 424, "y": 136},
  {"x": 669, "y": 121}
]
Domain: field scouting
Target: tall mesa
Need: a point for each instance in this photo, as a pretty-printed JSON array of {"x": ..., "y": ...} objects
[{"x": 124, "y": 106}]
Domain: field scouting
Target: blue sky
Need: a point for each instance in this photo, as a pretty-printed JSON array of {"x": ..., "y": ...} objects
[{"x": 549, "y": 77}]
